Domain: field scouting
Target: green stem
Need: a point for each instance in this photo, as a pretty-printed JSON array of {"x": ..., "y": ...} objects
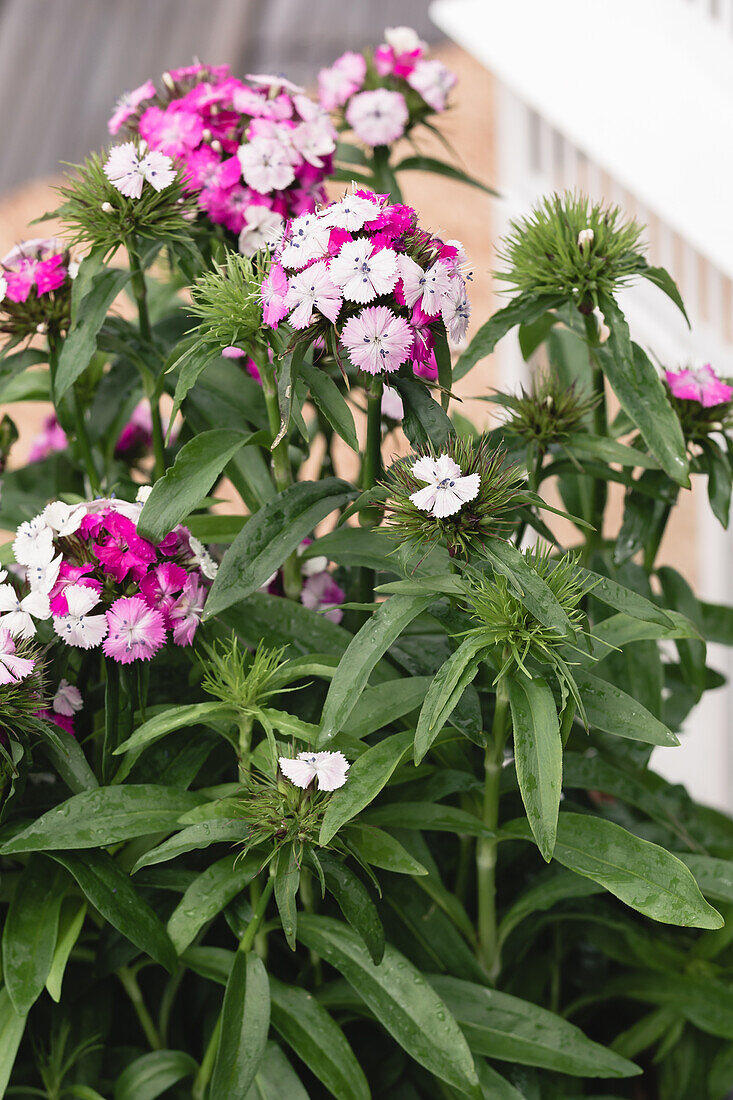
[
  {"x": 385, "y": 181},
  {"x": 83, "y": 440},
  {"x": 129, "y": 983},
  {"x": 244, "y": 723},
  {"x": 371, "y": 470},
  {"x": 486, "y": 848},
  {"x": 207, "y": 1063},
  {"x": 594, "y": 539},
  {"x": 139, "y": 289},
  {"x": 111, "y": 716},
  {"x": 281, "y": 471}
]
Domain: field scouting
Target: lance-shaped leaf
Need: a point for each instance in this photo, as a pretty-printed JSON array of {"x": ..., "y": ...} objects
[
  {"x": 442, "y": 168},
  {"x": 29, "y": 935},
  {"x": 537, "y": 755},
  {"x": 12, "y": 1027},
  {"x": 662, "y": 278},
  {"x": 424, "y": 421},
  {"x": 150, "y": 1075},
  {"x": 329, "y": 400},
  {"x": 245, "y": 1021},
  {"x": 95, "y": 288},
  {"x": 352, "y": 898},
  {"x": 610, "y": 709},
  {"x": 367, "y": 777},
  {"x": 287, "y": 881},
  {"x": 273, "y": 533},
  {"x": 445, "y": 692},
  {"x": 175, "y": 718},
  {"x": 208, "y": 894},
  {"x": 528, "y": 586}
]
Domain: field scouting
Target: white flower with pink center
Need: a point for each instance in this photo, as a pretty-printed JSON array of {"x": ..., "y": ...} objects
[
  {"x": 456, "y": 309},
  {"x": 329, "y": 769},
  {"x": 306, "y": 240},
  {"x": 433, "y": 81},
  {"x": 377, "y": 340},
  {"x": 447, "y": 490},
  {"x": 262, "y": 229},
  {"x": 78, "y": 628},
  {"x": 362, "y": 274},
  {"x": 378, "y": 117},
  {"x": 13, "y": 669},
  {"x": 128, "y": 168},
  {"x": 266, "y": 165},
  {"x": 312, "y": 289},
  {"x": 428, "y": 288},
  {"x": 350, "y": 213}
]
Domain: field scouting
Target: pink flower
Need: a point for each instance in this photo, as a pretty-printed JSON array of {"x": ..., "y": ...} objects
[
  {"x": 312, "y": 289},
  {"x": 29, "y": 271},
  {"x": 128, "y": 103},
  {"x": 363, "y": 275},
  {"x": 123, "y": 551},
  {"x": 351, "y": 213},
  {"x": 400, "y": 53},
  {"x": 185, "y": 615},
  {"x": 699, "y": 384},
  {"x": 378, "y": 117},
  {"x": 51, "y": 438},
  {"x": 456, "y": 309},
  {"x": 433, "y": 81},
  {"x": 63, "y": 721},
  {"x": 314, "y": 140},
  {"x": 160, "y": 587},
  {"x": 135, "y": 631},
  {"x": 321, "y": 593},
  {"x": 67, "y": 699},
  {"x": 392, "y": 407},
  {"x": 137, "y": 434},
  {"x": 13, "y": 669},
  {"x": 423, "y": 340},
  {"x": 377, "y": 340},
  {"x": 266, "y": 165},
  {"x": 71, "y": 575},
  {"x": 274, "y": 290},
  {"x": 337, "y": 84},
  {"x": 173, "y": 131}
]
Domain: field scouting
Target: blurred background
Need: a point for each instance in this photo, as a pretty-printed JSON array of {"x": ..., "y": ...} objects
[{"x": 526, "y": 119}]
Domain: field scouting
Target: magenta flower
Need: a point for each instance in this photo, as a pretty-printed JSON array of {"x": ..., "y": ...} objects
[
  {"x": 13, "y": 669},
  {"x": 51, "y": 439},
  {"x": 378, "y": 117},
  {"x": 123, "y": 551},
  {"x": 172, "y": 131},
  {"x": 400, "y": 53},
  {"x": 321, "y": 593},
  {"x": 160, "y": 587},
  {"x": 135, "y": 631},
  {"x": 699, "y": 384},
  {"x": 337, "y": 84},
  {"x": 128, "y": 103},
  {"x": 185, "y": 615},
  {"x": 137, "y": 433},
  {"x": 274, "y": 292},
  {"x": 27, "y": 272},
  {"x": 377, "y": 340},
  {"x": 71, "y": 575},
  {"x": 63, "y": 721}
]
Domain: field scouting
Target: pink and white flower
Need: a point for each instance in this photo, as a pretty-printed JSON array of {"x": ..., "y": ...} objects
[
  {"x": 350, "y": 213},
  {"x": 305, "y": 240},
  {"x": 456, "y": 309},
  {"x": 128, "y": 168},
  {"x": 337, "y": 84},
  {"x": 50, "y": 440},
  {"x": 17, "y": 615},
  {"x": 428, "y": 288},
  {"x": 274, "y": 292},
  {"x": 447, "y": 490},
  {"x": 314, "y": 140},
  {"x": 67, "y": 699},
  {"x": 77, "y": 627},
  {"x": 377, "y": 340},
  {"x": 266, "y": 165},
  {"x": 378, "y": 117},
  {"x": 433, "y": 81},
  {"x": 363, "y": 274},
  {"x": 312, "y": 289},
  {"x": 392, "y": 407},
  {"x": 128, "y": 103},
  {"x": 135, "y": 631},
  {"x": 185, "y": 614},
  {"x": 161, "y": 586},
  {"x": 329, "y": 769},
  {"x": 13, "y": 669},
  {"x": 699, "y": 384}
]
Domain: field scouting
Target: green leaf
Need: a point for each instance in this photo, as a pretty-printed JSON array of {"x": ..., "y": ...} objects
[
  {"x": 720, "y": 1078},
  {"x": 152, "y": 1074},
  {"x": 367, "y": 777},
  {"x": 279, "y": 622},
  {"x": 245, "y": 1020},
  {"x": 29, "y": 935},
  {"x": 704, "y": 1001},
  {"x": 624, "y": 599},
  {"x": 537, "y": 755},
  {"x": 112, "y": 894},
  {"x": 662, "y": 278},
  {"x": 318, "y": 1041},
  {"x": 71, "y": 922},
  {"x": 400, "y": 998},
  {"x": 12, "y": 1027},
  {"x": 641, "y": 394},
  {"x": 91, "y": 297},
  {"x": 713, "y": 876},
  {"x": 527, "y": 585},
  {"x": 272, "y": 533},
  {"x": 366, "y": 647},
  {"x": 105, "y": 815},
  {"x": 190, "y": 364},
  {"x": 441, "y": 168},
  {"x": 287, "y": 881},
  {"x": 720, "y": 479},
  {"x": 642, "y": 875},
  {"x": 610, "y": 709},
  {"x": 494, "y": 1085},
  {"x": 208, "y": 894},
  {"x": 275, "y": 1078},
  {"x": 610, "y": 450},
  {"x": 443, "y": 362},
  {"x": 498, "y": 1025},
  {"x": 558, "y": 886},
  {"x": 717, "y": 622},
  {"x": 329, "y": 400},
  {"x": 446, "y": 691},
  {"x": 378, "y": 708},
  {"x": 522, "y": 310},
  {"x": 193, "y": 837},
  {"x": 692, "y": 651},
  {"x": 197, "y": 467},
  {"x": 424, "y": 422},
  {"x": 427, "y": 815},
  {"x": 215, "y": 528},
  {"x": 352, "y": 898},
  {"x": 381, "y": 849},
  {"x": 67, "y": 757},
  {"x": 176, "y": 718}
]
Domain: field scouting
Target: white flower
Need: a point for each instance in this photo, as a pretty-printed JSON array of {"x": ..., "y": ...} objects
[
  {"x": 128, "y": 170},
  {"x": 361, "y": 275},
  {"x": 432, "y": 80},
  {"x": 143, "y": 493},
  {"x": 329, "y": 769},
  {"x": 306, "y": 240},
  {"x": 603, "y": 330},
  {"x": 33, "y": 542},
  {"x": 266, "y": 165},
  {"x": 312, "y": 289},
  {"x": 350, "y": 213},
  {"x": 456, "y": 309},
  {"x": 18, "y": 614},
  {"x": 78, "y": 627},
  {"x": 73, "y": 269},
  {"x": 203, "y": 558},
  {"x": 403, "y": 40},
  {"x": 3, "y": 287},
  {"x": 429, "y": 288},
  {"x": 314, "y": 141},
  {"x": 585, "y": 237},
  {"x": 447, "y": 490},
  {"x": 67, "y": 699},
  {"x": 63, "y": 519},
  {"x": 392, "y": 406},
  {"x": 262, "y": 228},
  {"x": 42, "y": 576}
]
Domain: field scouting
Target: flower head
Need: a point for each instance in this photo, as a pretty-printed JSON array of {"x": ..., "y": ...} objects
[
  {"x": 312, "y": 289},
  {"x": 128, "y": 168},
  {"x": 377, "y": 340},
  {"x": 128, "y": 104},
  {"x": 135, "y": 631},
  {"x": 67, "y": 699},
  {"x": 378, "y": 117},
  {"x": 363, "y": 274},
  {"x": 699, "y": 384},
  {"x": 433, "y": 81},
  {"x": 447, "y": 489},
  {"x": 77, "y": 627},
  {"x": 337, "y": 84},
  {"x": 329, "y": 769},
  {"x": 185, "y": 614}
]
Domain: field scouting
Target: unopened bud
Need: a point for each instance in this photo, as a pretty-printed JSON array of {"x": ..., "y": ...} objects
[
  {"x": 169, "y": 81},
  {"x": 216, "y": 145},
  {"x": 585, "y": 238},
  {"x": 107, "y": 208},
  {"x": 73, "y": 269},
  {"x": 207, "y": 135},
  {"x": 42, "y": 328}
]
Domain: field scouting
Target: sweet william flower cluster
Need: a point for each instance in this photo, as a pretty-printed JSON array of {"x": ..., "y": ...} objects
[
  {"x": 364, "y": 267},
  {"x": 381, "y": 96},
  {"x": 253, "y": 151},
  {"x": 89, "y": 572}
]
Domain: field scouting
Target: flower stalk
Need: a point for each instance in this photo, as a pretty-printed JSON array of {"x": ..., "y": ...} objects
[
  {"x": 486, "y": 848},
  {"x": 281, "y": 470},
  {"x": 139, "y": 289}
]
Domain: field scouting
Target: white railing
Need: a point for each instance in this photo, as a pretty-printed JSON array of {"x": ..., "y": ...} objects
[{"x": 546, "y": 141}]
